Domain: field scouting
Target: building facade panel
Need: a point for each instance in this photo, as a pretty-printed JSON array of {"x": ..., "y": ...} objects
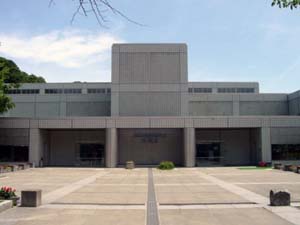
[{"x": 149, "y": 113}]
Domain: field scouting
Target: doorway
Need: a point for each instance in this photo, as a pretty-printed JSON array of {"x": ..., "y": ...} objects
[
  {"x": 91, "y": 155},
  {"x": 208, "y": 154}
]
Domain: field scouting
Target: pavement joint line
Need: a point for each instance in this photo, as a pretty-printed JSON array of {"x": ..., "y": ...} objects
[
  {"x": 67, "y": 189},
  {"x": 207, "y": 204},
  {"x": 94, "y": 206},
  {"x": 288, "y": 213},
  {"x": 187, "y": 184},
  {"x": 224, "y": 206},
  {"x": 100, "y": 204},
  {"x": 262, "y": 183},
  {"x": 152, "y": 205}
]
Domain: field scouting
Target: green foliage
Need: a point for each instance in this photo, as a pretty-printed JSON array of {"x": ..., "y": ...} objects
[
  {"x": 166, "y": 165},
  {"x": 11, "y": 77},
  {"x": 7, "y": 192},
  {"x": 286, "y": 3}
]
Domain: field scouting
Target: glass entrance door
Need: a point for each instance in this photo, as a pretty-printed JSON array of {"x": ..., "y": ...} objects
[
  {"x": 91, "y": 155},
  {"x": 208, "y": 154}
]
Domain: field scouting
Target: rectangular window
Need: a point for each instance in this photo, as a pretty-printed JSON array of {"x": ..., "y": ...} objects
[
  {"x": 108, "y": 90},
  {"x": 286, "y": 152},
  {"x": 53, "y": 91},
  {"x": 190, "y": 90},
  {"x": 245, "y": 90},
  {"x": 96, "y": 90},
  {"x": 202, "y": 90},
  {"x": 72, "y": 91}
]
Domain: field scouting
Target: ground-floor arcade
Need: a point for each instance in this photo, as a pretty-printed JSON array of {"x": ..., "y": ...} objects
[
  {"x": 187, "y": 142},
  {"x": 112, "y": 147}
]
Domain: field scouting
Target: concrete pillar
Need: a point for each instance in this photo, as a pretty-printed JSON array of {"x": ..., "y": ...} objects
[
  {"x": 111, "y": 153},
  {"x": 266, "y": 144},
  {"x": 189, "y": 147},
  {"x": 35, "y": 146}
]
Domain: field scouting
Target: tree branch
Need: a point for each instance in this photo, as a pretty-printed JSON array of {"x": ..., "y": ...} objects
[{"x": 98, "y": 8}]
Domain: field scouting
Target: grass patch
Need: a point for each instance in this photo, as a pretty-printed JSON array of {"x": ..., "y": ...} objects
[{"x": 255, "y": 168}]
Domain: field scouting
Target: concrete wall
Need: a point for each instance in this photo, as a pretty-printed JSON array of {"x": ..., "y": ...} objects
[
  {"x": 150, "y": 146},
  {"x": 237, "y": 147},
  {"x": 149, "y": 80},
  {"x": 294, "y": 103},
  {"x": 237, "y": 104},
  {"x": 285, "y": 135},
  {"x": 45, "y": 105},
  {"x": 66, "y": 151},
  {"x": 14, "y": 137}
]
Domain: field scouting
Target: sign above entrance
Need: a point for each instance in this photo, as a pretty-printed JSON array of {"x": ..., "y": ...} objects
[{"x": 149, "y": 137}]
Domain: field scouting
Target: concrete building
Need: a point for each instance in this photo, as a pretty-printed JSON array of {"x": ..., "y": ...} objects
[{"x": 150, "y": 113}]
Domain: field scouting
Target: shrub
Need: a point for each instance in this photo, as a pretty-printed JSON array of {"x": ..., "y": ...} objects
[
  {"x": 7, "y": 192},
  {"x": 262, "y": 164},
  {"x": 166, "y": 165}
]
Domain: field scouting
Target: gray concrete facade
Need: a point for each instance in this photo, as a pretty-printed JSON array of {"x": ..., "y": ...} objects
[
  {"x": 150, "y": 112},
  {"x": 149, "y": 80}
]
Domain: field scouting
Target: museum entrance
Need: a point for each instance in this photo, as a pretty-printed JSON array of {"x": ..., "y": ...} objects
[
  {"x": 208, "y": 154},
  {"x": 227, "y": 147},
  {"x": 90, "y": 155},
  {"x": 79, "y": 148},
  {"x": 150, "y": 146}
]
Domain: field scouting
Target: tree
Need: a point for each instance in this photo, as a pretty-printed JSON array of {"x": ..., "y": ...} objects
[
  {"x": 292, "y": 4},
  {"x": 98, "y": 8},
  {"x": 12, "y": 77}
]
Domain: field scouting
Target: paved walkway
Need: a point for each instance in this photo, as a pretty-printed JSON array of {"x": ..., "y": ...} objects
[
  {"x": 290, "y": 214},
  {"x": 208, "y": 196}
]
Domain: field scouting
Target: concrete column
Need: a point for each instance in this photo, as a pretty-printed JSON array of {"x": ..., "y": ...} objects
[
  {"x": 189, "y": 147},
  {"x": 266, "y": 144},
  {"x": 35, "y": 146},
  {"x": 111, "y": 153}
]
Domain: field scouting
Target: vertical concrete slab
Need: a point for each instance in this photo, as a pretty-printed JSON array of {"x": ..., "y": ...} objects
[
  {"x": 189, "y": 147},
  {"x": 115, "y": 76},
  {"x": 266, "y": 144},
  {"x": 111, "y": 152},
  {"x": 62, "y": 109},
  {"x": 235, "y": 105},
  {"x": 35, "y": 146}
]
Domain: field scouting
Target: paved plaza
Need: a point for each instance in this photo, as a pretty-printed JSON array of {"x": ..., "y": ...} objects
[{"x": 208, "y": 196}]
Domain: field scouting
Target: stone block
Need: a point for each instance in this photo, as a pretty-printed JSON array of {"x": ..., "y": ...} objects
[
  {"x": 6, "y": 204},
  {"x": 31, "y": 198},
  {"x": 280, "y": 198},
  {"x": 288, "y": 167},
  {"x": 277, "y": 166},
  {"x": 298, "y": 169},
  {"x": 130, "y": 165},
  {"x": 14, "y": 168}
]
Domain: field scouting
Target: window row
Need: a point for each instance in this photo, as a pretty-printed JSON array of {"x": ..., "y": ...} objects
[
  {"x": 222, "y": 90},
  {"x": 98, "y": 90},
  {"x": 236, "y": 90},
  {"x": 200, "y": 90},
  {"x": 286, "y": 152},
  {"x": 61, "y": 91},
  {"x": 23, "y": 91}
]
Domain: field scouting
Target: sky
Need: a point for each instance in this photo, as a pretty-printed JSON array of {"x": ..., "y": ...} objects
[{"x": 228, "y": 40}]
